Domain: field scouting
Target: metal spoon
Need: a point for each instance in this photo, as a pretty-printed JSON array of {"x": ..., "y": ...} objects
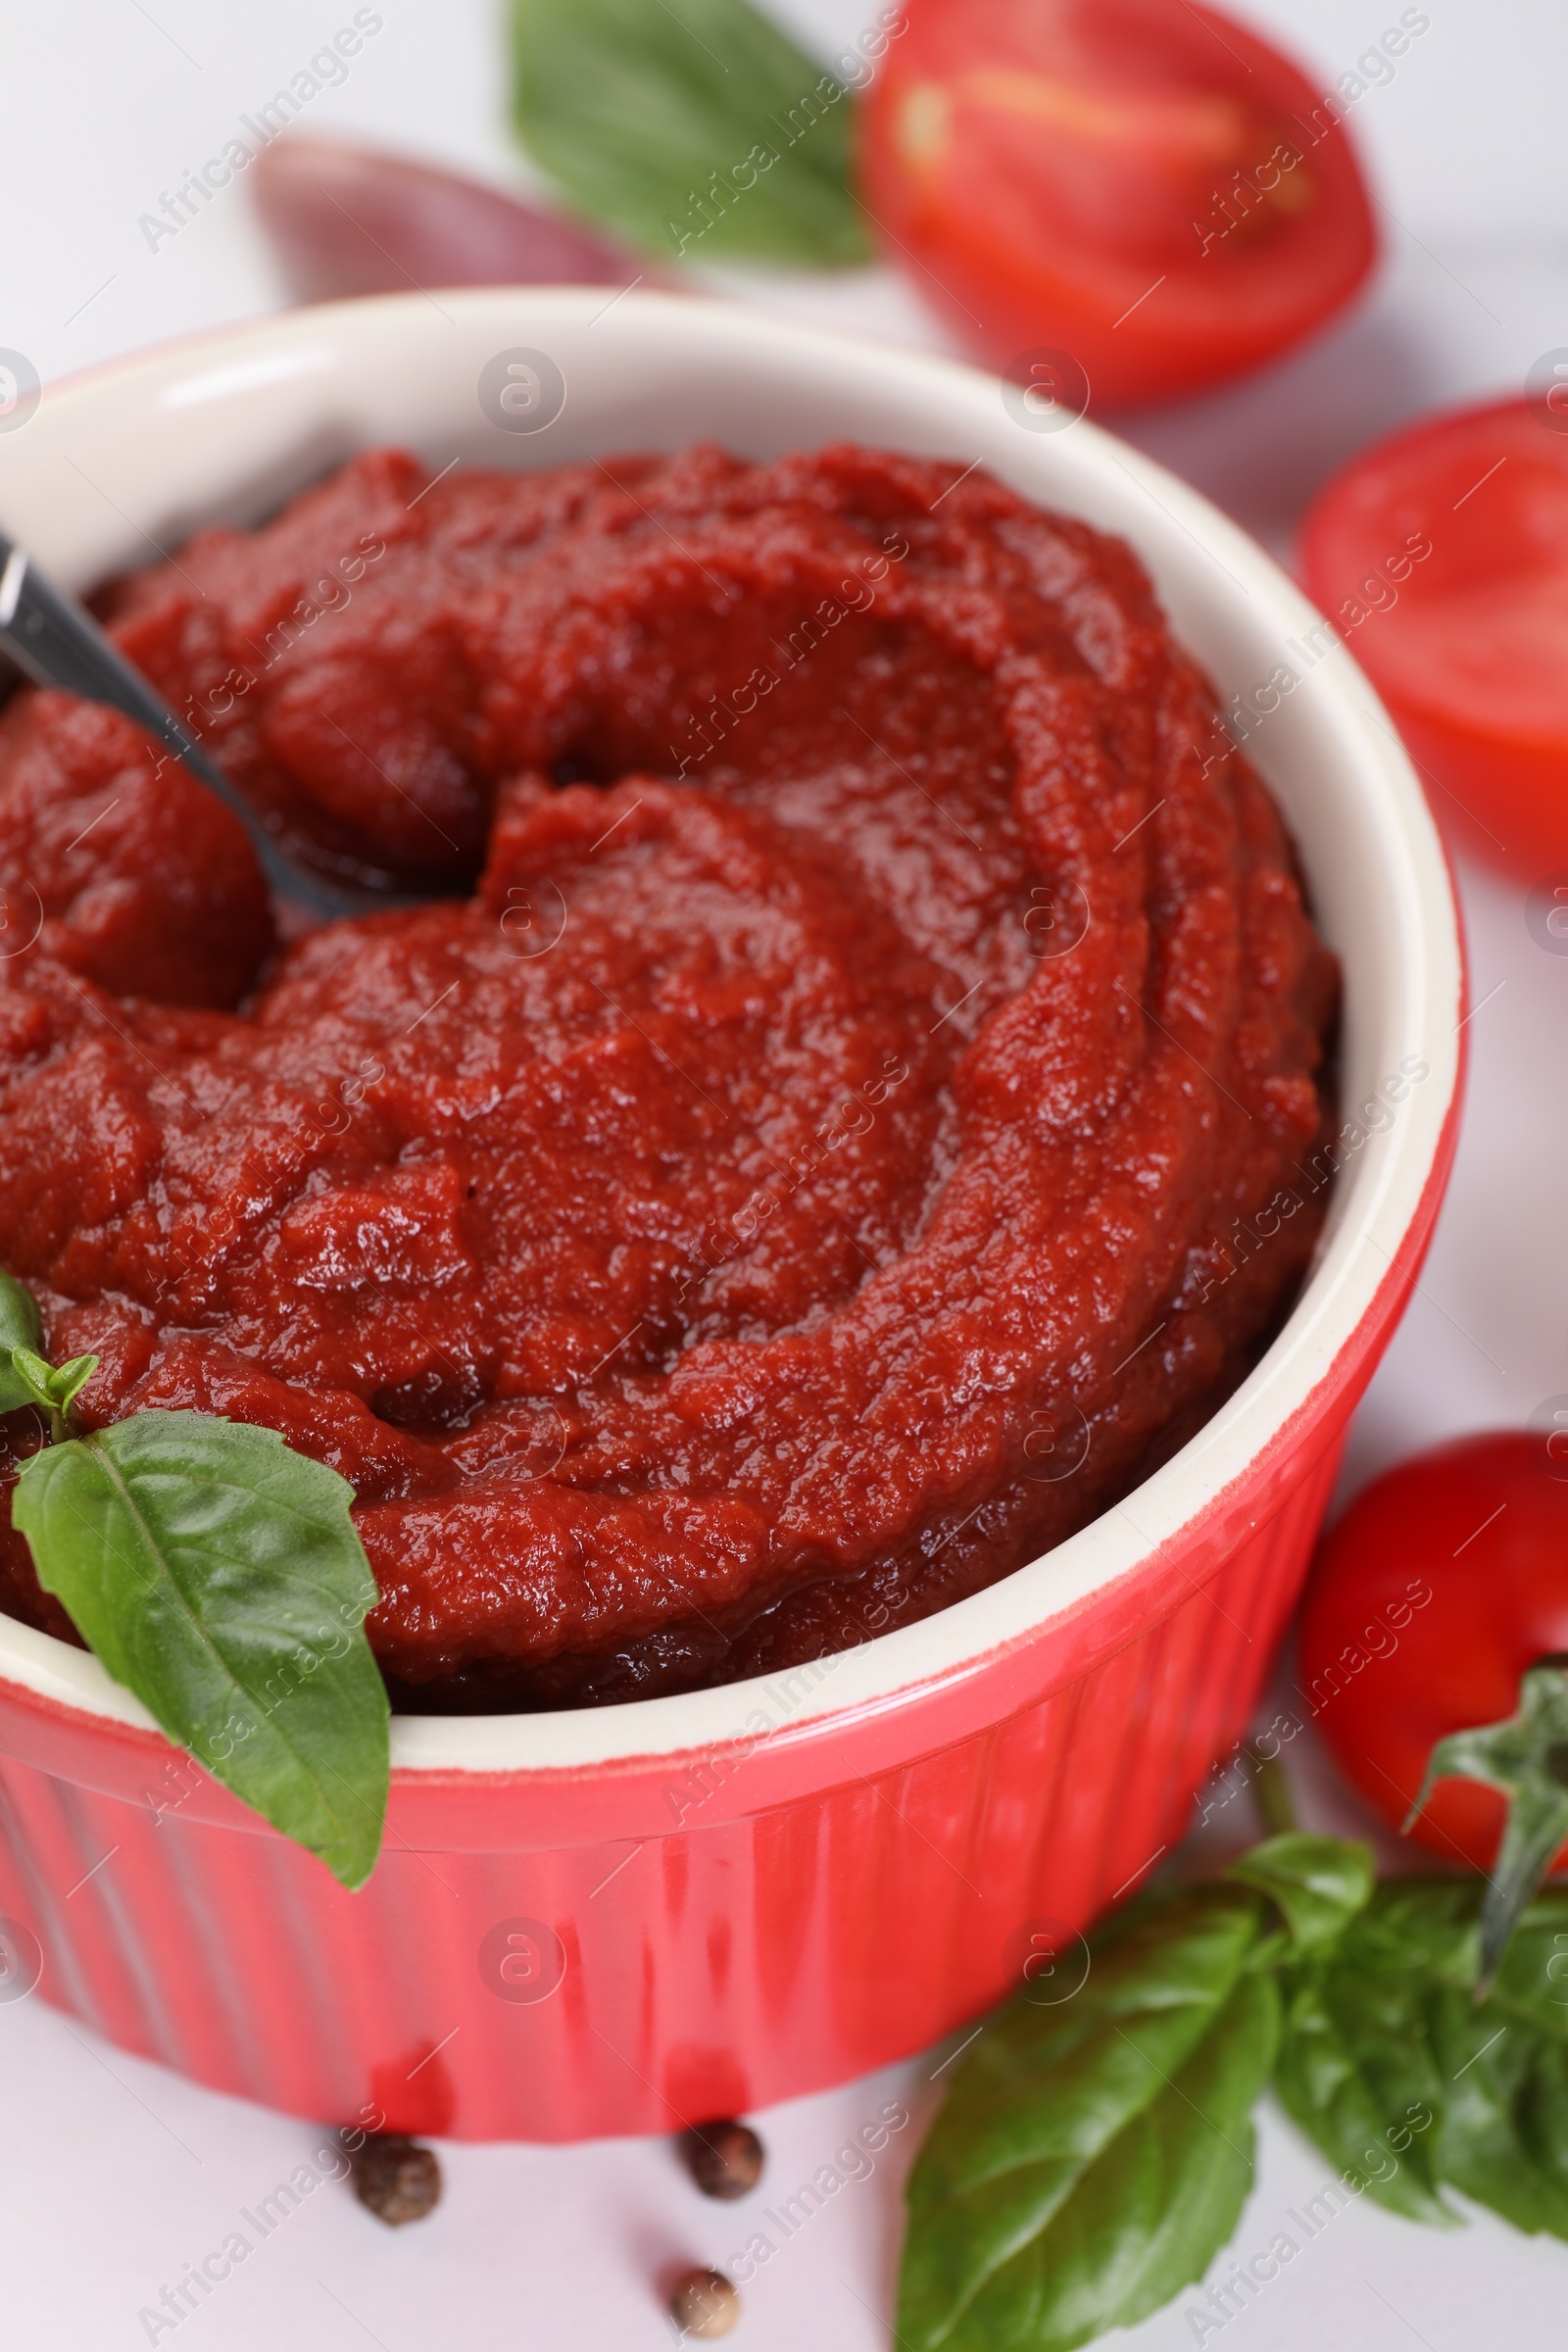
[{"x": 56, "y": 642}]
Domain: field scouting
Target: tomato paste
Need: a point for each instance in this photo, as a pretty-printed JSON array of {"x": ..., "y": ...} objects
[{"x": 846, "y": 1111}]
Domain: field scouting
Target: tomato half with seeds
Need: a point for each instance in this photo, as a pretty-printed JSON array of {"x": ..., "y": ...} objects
[
  {"x": 1468, "y": 643},
  {"x": 1443, "y": 1582},
  {"x": 1142, "y": 183}
]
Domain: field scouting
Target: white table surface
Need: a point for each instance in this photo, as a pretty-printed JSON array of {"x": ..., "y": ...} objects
[{"x": 118, "y": 2174}]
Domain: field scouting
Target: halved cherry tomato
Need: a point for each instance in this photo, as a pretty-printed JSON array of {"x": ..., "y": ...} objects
[
  {"x": 1468, "y": 643},
  {"x": 1443, "y": 1581},
  {"x": 1142, "y": 183}
]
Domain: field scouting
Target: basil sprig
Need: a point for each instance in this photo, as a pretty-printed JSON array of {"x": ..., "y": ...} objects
[
  {"x": 1093, "y": 2158},
  {"x": 693, "y": 129},
  {"x": 217, "y": 1574},
  {"x": 1386, "y": 2025}
]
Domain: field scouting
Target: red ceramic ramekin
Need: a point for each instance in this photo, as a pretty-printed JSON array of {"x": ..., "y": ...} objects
[{"x": 627, "y": 1919}]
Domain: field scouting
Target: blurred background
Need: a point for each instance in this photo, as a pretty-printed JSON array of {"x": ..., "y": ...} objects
[
  {"x": 117, "y": 2176},
  {"x": 107, "y": 104}
]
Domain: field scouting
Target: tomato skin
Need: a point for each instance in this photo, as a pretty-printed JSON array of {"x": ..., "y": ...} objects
[
  {"x": 1481, "y": 1526},
  {"x": 1471, "y": 654},
  {"x": 1111, "y": 178}
]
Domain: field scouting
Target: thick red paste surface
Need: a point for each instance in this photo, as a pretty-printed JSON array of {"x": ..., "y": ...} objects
[{"x": 852, "y": 1122}]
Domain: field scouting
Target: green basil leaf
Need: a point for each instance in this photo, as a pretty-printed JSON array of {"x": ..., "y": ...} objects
[
  {"x": 692, "y": 126},
  {"x": 217, "y": 1574},
  {"x": 20, "y": 1327},
  {"x": 1432, "y": 1925},
  {"x": 1092, "y": 2157},
  {"x": 1355, "y": 2071},
  {"x": 52, "y": 1389},
  {"x": 67, "y": 1380},
  {"x": 1504, "y": 2138},
  {"x": 1532, "y": 1984},
  {"x": 1319, "y": 1884},
  {"x": 33, "y": 1376},
  {"x": 1392, "y": 2023}
]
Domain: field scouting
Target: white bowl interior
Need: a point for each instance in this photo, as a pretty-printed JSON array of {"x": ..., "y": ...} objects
[{"x": 118, "y": 467}]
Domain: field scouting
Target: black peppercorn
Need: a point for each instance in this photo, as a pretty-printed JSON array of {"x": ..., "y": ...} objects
[
  {"x": 724, "y": 2159},
  {"x": 399, "y": 2179}
]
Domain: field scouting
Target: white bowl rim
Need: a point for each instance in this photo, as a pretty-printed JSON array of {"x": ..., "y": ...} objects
[{"x": 1384, "y": 1189}]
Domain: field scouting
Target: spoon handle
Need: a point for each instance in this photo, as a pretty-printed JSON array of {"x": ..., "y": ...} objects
[{"x": 56, "y": 642}]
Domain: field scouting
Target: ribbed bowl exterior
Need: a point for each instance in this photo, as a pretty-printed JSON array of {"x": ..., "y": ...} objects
[{"x": 711, "y": 1969}]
